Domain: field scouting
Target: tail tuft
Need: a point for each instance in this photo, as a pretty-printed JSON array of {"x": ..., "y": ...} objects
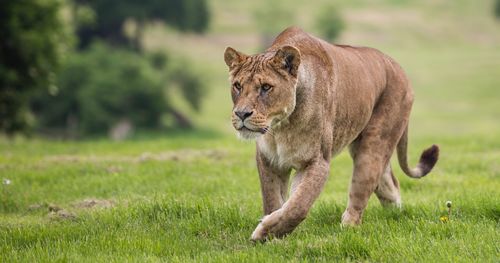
[{"x": 428, "y": 159}]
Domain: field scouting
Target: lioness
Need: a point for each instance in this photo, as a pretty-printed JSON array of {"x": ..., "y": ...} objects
[{"x": 304, "y": 100}]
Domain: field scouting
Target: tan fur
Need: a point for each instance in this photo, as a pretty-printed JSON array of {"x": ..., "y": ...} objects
[{"x": 304, "y": 100}]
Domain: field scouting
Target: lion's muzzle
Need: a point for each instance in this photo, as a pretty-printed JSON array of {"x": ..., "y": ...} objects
[{"x": 248, "y": 124}]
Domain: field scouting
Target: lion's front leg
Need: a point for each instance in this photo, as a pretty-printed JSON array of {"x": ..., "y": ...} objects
[
  {"x": 308, "y": 187},
  {"x": 274, "y": 184}
]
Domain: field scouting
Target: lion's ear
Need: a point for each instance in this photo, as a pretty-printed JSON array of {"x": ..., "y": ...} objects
[
  {"x": 287, "y": 58},
  {"x": 233, "y": 57}
]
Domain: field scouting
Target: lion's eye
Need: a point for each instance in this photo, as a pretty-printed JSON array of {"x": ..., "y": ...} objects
[
  {"x": 237, "y": 87},
  {"x": 265, "y": 88}
]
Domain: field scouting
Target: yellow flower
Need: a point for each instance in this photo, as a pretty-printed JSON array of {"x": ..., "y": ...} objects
[{"x": 443, "y": 219}]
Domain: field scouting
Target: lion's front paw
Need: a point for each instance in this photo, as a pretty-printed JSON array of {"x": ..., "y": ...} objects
[
  {"x": 270, "y": 225},
  {"x": 259, "y": 234}
]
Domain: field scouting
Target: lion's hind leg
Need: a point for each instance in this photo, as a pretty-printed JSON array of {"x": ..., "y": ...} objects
[
  {"x": 369, "y": 166},
  {"x": 371, "y": 153},
  {"x": 387, "y": 189}
]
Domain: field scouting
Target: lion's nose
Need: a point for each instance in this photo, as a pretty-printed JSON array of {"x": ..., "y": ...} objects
[{"x": 243, "y": 114}]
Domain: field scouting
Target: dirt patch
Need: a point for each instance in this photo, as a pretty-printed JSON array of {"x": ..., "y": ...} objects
[
  {"x": 44, "y": 206},
  {"x": 62, "y": 215},
  {"x": 94, "y": 203},
  {"x": 35, "y": 207},
  {"x": 114, "y": 169},
  {"x": 181, "y": 155},
  {"x": 54, "y": 208},
  {"x": 56, "y": 212}
]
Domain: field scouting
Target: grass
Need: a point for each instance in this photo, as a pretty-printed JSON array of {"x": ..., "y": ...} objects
[
  {"x": 195, "y": 196},
  {"x": 199, "y": 200}
]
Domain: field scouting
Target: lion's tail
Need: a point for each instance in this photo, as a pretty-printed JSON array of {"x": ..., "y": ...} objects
[{"x": 427, "y": 161}]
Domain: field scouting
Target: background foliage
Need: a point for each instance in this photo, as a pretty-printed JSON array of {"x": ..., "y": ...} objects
[
  {"x": 33, "y": 40},
  {"x": 98, "y": 88},
  {"x": 98, "y": 85},
  {"x": 185, "y": 15},
  {"x": 497, "y": 9}
]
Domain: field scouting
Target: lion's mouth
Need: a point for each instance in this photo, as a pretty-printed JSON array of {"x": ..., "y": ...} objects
[{"x": 259, "y": 130}]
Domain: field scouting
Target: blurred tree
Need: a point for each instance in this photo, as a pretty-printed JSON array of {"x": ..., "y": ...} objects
[
  {"x": 329, "y": 23},
  {"x": 98, "y": 88},
  {"x": 497, "y": 9},
  {"x": 32, "y": 40},
  {"x": 111, "y": 15},
  {"x": 102, "y": 87},
  {"x": 272, "y": 18}
]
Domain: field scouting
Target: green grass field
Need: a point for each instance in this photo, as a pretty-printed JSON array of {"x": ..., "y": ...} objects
[{"x": 195, "y": 196}]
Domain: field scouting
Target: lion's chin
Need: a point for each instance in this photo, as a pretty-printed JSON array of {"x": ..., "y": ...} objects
[{"x": 246, "y": 134}]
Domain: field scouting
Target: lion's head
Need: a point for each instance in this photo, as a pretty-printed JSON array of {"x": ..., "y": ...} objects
[{"x": 263, "y": 88}]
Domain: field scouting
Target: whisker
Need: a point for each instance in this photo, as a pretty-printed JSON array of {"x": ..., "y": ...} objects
[{"x": 269, "y": 131}]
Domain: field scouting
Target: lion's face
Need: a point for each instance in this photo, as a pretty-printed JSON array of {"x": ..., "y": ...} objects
[{"x": 263, "y": 89}]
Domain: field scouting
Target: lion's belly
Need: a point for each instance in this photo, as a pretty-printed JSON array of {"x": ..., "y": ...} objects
[{"x": 344, "y": 132}]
